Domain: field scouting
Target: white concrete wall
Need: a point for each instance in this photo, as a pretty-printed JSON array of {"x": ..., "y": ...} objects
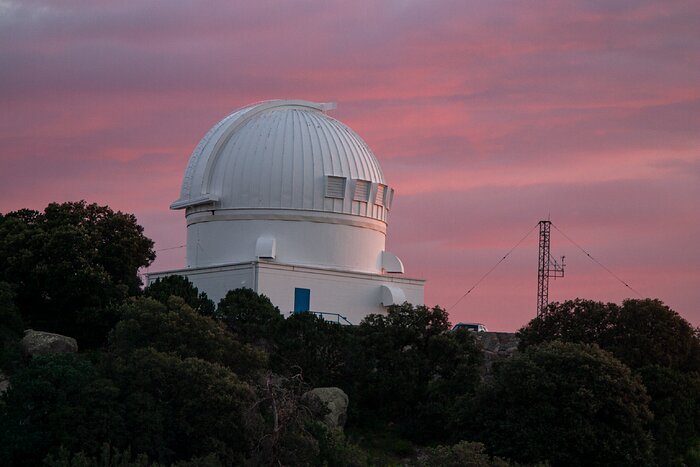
[
  {"x": 351, "y": 295},
  {"x": 217, "y": 281},
  {"x": 322, "y": 244},
  {"x": 354, "y": 295}
]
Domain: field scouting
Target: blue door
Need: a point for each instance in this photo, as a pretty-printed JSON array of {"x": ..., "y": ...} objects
[{"x": 301, "y": 300}]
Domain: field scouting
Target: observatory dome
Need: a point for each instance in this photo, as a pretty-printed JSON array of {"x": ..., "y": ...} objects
[
  {"x": 283, "y": 199},
  {"x": 282, "y": 181},
  {"x": 285, "y": 154}
]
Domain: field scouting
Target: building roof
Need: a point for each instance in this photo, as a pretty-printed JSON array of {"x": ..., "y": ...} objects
[{"x": 284, "y": 154}]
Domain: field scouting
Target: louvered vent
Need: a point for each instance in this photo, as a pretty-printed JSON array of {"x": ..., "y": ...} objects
[
  {"x": 380, "y": 199},
  {"x": 362, "y": 190},
  {"x": 335, "y": 187}
]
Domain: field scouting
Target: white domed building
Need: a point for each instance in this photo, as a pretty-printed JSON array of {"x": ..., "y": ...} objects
[{"x": 283, "y": 199}]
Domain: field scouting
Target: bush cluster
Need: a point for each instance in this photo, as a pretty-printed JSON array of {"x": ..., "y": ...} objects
[{"x": 167, "y": 377}]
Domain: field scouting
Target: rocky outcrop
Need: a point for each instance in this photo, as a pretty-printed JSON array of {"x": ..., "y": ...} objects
[
  {"x": 497, "y": 346},
  {"x": 336, "y": 401},
  {"x": 42, "y": 343}
]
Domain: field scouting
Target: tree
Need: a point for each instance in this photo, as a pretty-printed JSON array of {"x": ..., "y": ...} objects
[
  {"x": 163, "y": 287},
  {"x": 639, "y": 333},
  {"x": 71, "y": 264},
  {"x": 569, "y": 404},
  {"x": 108, "y": 457},
  {"x": 11, "y": 327},
  {"x": 321, "y": 351},
  {"x": 647, "y": 332},
  {"x": 58, "y": 400},
  {"x": 176, "y": 409},
  {"x": 112, "y": 457},
  {"x": 176, "y": 329},
  {"x": 675, "y": 403},
  {"x": 250, "y": 315},
  {"x": 461, "y": 454},
  {"x": 410, "y": 359}
]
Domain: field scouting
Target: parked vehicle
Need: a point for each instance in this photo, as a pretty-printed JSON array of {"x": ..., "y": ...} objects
[{"x": 476, "y": 327}]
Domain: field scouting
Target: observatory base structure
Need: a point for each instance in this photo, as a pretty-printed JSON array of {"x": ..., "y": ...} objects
[{"x": 292, "y": 288}]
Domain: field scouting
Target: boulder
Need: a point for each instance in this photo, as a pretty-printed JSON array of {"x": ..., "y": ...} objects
[
  {"x": 497, "y": 346},
  {"x": 335, "y": 401},
  {"x": 42, "y": 343}
]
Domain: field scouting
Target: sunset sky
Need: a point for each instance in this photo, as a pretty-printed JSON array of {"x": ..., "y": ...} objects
[{"x": 485, "y": 116}]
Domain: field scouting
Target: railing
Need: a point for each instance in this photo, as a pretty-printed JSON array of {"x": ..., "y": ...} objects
[{"x": 327, "y": 316}]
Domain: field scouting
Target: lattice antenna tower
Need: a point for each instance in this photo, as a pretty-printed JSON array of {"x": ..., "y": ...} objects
[{"x": 547, "y": 267}]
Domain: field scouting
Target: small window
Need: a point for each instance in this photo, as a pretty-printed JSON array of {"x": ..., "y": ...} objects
[
  {"x": 335, "y": 187},
  {"x": 380, "y": 198},
  {"x": 362, "y": 190}
]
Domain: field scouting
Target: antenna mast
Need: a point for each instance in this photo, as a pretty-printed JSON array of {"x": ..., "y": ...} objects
[{"x": 546, "y": 267}]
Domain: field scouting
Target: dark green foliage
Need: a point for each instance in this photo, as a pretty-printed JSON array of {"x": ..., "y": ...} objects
[
  {"x": 410, "y": 353},
  {"x": 650, "y": 333},
  {"x": 570, "y": 404},
  {"x": 675, "y": 402},
  {"x": 692, "y": 457},
  {"x": 178, "y": 387},
  {"x": 170, "y": 404},
  {"x": 383, "y": 444},
  {"x": 412, "y": 368},
  {"x": 175, "y": 328},
  {"x": 408, "y": 358},
  {"x": 162, "y": 288},
  {"x": 71, "y": 264},
  {"x": 639, "y": 333},
  {"x": 176, "y": 409},
  {"x": 108, "y": 457},
  {"x": 285, "y": 440},
  {"x": 651, "y": 338},
  {"x": 112, "y": 457},
  {"x": 333, "y": 447},
  {"x": 463, "y": 454},
  {"x": 319, "y": 350},
  {"x": 58, "y": 400},
  {"x": 11, "y": 327},
  {"x": 251, "y": 316},
  {"x": 293, "y": 434}
]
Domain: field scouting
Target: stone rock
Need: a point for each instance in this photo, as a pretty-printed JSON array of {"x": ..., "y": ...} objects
[
  {"x": 336, "y": 401},
  {"x": 42, "y": 343},
  {"x": 497, "y": 346}
]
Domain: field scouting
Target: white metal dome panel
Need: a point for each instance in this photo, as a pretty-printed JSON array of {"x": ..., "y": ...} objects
[{"x": 279, "y": 155}]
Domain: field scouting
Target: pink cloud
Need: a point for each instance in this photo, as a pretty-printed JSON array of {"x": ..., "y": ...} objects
[{"x": 486, "y": 117}]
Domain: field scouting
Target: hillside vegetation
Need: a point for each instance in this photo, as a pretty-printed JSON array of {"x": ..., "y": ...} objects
[{"x": 164, "y": 376}]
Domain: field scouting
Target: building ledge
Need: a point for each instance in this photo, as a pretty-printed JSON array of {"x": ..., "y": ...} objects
[{"x": 273, "y": 265}]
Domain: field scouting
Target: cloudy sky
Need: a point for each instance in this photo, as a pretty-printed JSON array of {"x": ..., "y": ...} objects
[{"x": 486, "y": 116}]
